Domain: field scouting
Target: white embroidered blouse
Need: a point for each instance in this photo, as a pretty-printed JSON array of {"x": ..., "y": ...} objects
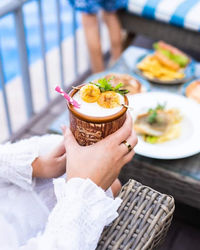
[{"x": 37, "y": 215}]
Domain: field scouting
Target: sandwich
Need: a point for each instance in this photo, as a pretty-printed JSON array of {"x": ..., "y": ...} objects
[{"x": 170, "y": 56}]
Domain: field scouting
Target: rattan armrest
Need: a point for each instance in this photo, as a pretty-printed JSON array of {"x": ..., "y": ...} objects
[{"x": 144, "y": 219}]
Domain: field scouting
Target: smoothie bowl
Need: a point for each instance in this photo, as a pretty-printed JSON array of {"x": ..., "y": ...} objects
[{"x": 102, "y": 111}]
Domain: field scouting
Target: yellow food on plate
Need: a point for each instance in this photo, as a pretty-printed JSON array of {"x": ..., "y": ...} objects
[
  {"x": 159, "y": 125},
  {"x": 153, "y": 68},
  {"x": 90, "y": 93},
  {"x": 109, "y": 99}
]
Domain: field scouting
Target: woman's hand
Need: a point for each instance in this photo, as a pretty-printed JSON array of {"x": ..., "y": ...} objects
[
  {"x": 51, "y": 165},
  {"x": 100, "y": 162}
]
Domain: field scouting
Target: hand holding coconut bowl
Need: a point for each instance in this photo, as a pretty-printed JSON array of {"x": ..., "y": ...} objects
[
  {"x": 99, "y": 120},
  {"x": 102, "y": 111}
]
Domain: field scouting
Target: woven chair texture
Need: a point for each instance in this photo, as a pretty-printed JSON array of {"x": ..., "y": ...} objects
[
  {"x": 183, "y": 188},
  {"x": 144, "y": 219}
]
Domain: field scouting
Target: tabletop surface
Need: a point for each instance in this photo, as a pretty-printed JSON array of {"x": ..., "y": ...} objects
[{"x": 189, "y": 166}]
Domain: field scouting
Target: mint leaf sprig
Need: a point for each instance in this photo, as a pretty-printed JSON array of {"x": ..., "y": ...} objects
[
  {"x": 152, "y": 113},
  {"x": 104, "y": 85}
]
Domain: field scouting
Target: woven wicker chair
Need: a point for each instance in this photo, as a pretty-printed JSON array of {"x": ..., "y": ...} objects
[{"x": 144, "y": 219}]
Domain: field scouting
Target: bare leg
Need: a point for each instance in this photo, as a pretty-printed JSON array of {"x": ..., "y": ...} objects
[
  {"x": 114, "y": 28},
  {"x": 91, "y": 29},
  {"x": 116, "y": 187}
]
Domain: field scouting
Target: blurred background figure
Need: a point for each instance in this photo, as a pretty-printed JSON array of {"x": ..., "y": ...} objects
[{"x": 90, "y": 9}]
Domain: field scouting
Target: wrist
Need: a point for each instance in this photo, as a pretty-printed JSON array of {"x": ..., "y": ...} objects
[{"x": 37, "y": 167}]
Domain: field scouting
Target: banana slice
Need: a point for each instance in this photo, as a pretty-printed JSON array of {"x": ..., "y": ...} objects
[
  {"x": 109, "y": 99},
  {"x": 90, "y": 93}
]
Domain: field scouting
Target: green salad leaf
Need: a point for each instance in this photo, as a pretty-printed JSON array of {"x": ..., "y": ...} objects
[
  {"x": 150, "y": 139},
  {"x": 105, "y": 85},
  {"x": 152, "y": 113},
  {"x": 155, "y": 46},
  {"x": 180, "y": 59}
]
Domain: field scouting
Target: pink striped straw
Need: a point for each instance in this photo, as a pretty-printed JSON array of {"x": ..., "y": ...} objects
[{"x": 67, "y": 97}]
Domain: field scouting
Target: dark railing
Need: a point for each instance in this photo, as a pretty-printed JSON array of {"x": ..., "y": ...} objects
[{"x": 15, "y": 7}]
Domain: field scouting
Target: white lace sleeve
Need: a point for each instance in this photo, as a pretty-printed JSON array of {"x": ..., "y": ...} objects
[
  {"x": 16, "y": 158},
  {"x": 76, "y": 222}
]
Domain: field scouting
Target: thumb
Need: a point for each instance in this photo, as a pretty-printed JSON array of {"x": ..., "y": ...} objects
[{"x": 69, "y": 140}]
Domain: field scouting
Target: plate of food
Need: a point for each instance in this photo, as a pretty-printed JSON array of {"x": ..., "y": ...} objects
[
  {"x": 165, "y": 65},
  {"x": 167, "y": 125},
  {"x": 129, "y": 81},
  {"x": 192, "y": 90}
]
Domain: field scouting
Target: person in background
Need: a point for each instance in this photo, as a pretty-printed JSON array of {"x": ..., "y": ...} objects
[
  {"x": 72, "y": 214},
  {"x": 89, "y": 9}
]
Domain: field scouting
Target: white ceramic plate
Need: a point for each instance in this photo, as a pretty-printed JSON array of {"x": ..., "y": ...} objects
[{"x": 188, "y": 143}]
